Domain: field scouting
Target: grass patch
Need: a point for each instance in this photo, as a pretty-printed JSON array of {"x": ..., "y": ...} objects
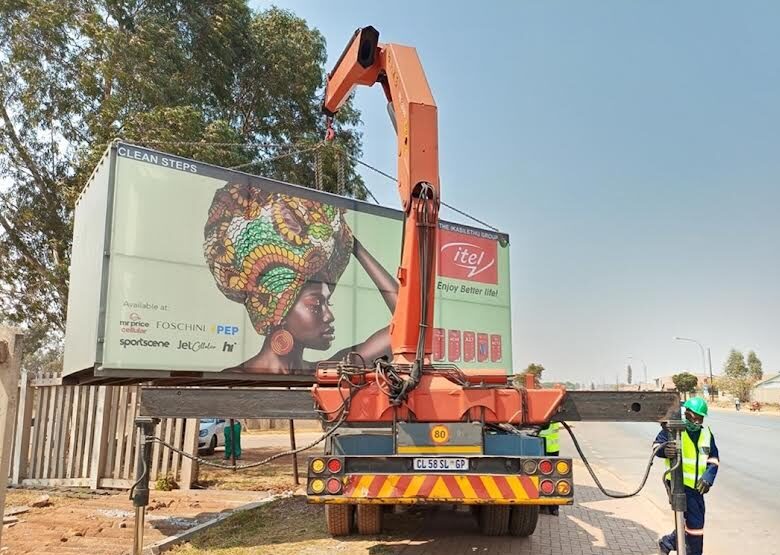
[{"x": 291, "y": 527}]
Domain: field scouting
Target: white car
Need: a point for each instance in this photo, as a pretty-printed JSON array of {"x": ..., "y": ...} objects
[{"x": 211, "y": 435}]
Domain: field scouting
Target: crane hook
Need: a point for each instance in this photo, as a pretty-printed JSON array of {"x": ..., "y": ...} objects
[{"x": 330, "y": 133}]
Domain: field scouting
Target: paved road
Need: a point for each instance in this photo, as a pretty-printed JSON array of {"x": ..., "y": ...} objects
[{"x": 743, "y": 508}]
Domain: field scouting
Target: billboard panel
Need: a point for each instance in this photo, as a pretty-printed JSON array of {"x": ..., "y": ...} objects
[{"x": 212, "y": 270}]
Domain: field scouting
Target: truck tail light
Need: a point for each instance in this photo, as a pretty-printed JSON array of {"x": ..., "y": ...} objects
[
  {"x": 334, "y": 466},
  {"x": 547, "y": 487},
  {"x": 563, "y": 487},
  {"x": 562, "y": 467},
  {"x": 529, "y": 467},
  {"x": 546, "y": 467},
  {"x": 334, "y": 485},
  {"x": 317, "y": 466},
  {"x": 317, "y": 486}
]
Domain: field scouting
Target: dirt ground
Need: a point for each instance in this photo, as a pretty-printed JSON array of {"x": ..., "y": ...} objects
[
  {"x": 274, "y": 477},
  {"x": 101, "y": 523}
]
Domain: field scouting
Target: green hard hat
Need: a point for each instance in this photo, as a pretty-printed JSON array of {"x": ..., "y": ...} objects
[{"x": 697, "y": 405}]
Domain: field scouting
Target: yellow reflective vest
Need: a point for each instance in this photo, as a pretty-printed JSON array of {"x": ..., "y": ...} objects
[
  {"x": 694, "y": 456},
  {"x": 550, "y": 435}
]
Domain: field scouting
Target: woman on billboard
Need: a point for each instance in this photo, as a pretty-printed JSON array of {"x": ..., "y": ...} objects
[{"x": 281, "y": 257}]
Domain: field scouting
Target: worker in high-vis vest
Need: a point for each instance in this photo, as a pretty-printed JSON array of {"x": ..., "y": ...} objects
[
  {"x": 700, "y": 466},
  {"x": 551, "y": 449}
]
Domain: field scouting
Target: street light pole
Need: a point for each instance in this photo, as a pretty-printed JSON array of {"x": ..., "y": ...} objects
[
  {"x": 644, "y": 366},
  {"x": 703, "y": 360},
  {"x": 712, "y": 383}
]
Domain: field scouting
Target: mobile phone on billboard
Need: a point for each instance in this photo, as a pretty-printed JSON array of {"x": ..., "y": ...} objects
[
  {"x": 495, "y": 348},
  {"x": 469, "y": 346},
  {"x": 483, "y": 347},
  {"x": 453, "y": 347},
  {"x": 438, "y": 344}
]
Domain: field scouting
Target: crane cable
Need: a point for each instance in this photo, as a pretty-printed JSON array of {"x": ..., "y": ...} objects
[{"x": 655, "y": 451}]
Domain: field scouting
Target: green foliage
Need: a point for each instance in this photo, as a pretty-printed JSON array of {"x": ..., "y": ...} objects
[
  {"x": 740, "y": 377},
  {"x": 166, "y": 483},
  {"x": 534, "y": 369},
  {"x": 76, "y": 74},
  {"x": 735, "y": 366},
  {"x": 685, "y": 382},
  {"x": 755, "y": 369}
]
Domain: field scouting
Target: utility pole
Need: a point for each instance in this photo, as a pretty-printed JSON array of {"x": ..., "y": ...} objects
[{"x": 712, "y": 383}]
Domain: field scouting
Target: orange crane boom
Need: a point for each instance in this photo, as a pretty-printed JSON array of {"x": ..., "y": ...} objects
[{"x": 397, "y": 68}]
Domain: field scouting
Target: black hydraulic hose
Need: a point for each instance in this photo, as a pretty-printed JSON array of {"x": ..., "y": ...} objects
[{"x": 595, "y": 478}]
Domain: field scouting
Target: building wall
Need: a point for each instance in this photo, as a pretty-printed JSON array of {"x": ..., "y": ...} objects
[{"x": 767, "y": 394}]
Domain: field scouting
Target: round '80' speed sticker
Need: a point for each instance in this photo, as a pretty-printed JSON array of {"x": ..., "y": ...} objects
[{"x": 440, "y": 434}]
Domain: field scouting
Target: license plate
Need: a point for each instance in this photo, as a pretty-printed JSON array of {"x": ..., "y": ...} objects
[{"x": 447, "y": 464}]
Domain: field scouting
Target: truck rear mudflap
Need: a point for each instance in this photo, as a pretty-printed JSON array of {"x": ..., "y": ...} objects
[{"x": 467, "y": 480}]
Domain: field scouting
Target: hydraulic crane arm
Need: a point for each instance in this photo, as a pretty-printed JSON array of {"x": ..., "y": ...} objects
[{"x": 364, "y": 62}]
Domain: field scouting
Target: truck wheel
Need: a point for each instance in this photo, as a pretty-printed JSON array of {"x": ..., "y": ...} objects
[
  {"x": 522, "y": 521},
  {"x": 339, "y": 519},
  {"x": 494, "y": 520},
  {"x": 369, "y": 519}
]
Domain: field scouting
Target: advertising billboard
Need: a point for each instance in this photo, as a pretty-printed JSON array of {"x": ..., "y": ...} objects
[{"x": 195, "y": 268}]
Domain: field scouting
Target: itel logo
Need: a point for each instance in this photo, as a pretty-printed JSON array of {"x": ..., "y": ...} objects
[{"x": 465, "y": 257}]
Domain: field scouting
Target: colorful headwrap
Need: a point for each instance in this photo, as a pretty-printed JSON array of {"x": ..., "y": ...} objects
[{"x": 263, "y": 247}]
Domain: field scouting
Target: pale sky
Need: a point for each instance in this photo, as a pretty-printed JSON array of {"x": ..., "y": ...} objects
[{"x": 629, "y": 149}]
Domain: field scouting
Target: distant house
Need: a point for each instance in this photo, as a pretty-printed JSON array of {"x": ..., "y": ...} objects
[{"x": 767, "y": 390}]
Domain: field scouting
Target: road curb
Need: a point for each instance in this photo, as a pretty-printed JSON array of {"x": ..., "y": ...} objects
[{"x": 168, "y": 543}]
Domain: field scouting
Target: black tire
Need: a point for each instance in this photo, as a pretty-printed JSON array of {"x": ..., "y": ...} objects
[
  {"x": 494, "y": 520},
  {"x": 339, "y": 519},
  {"x": 522, "y": 521},
  {"x": 212, "y": 446},
  {"x": 369, "y": 519}
]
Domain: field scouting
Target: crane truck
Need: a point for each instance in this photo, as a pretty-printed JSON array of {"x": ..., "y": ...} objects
[{"x": 406, "y": 430}]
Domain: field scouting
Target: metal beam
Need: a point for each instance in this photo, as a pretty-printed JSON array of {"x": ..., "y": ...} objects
[
  {"x": 179, "y": 402},
  {"x": 619, "y": 406}
]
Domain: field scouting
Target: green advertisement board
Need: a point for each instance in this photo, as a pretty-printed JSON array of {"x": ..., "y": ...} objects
[{"x": 211, "y": 270}]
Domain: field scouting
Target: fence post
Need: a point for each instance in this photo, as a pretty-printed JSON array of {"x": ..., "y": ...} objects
[
  {"x": 189, "y": 468},
  {"x": 21, "y": 460},
  {"x": 100, "y": 439},
  {"x": 10, "y": 364}
]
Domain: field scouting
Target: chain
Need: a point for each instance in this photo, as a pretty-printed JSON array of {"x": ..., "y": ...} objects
[
  {"x": 340, "y": 181},
  {"x": 318, "y": 175},
  {"x": 318, "y": 170},
  {"x": 388, "y": 176},
  {"x": 207, "y": 143},
  {"x": 279, "y": 156}
]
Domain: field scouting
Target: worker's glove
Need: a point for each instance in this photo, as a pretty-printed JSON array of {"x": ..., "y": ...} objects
[
  {"x": 670, "y": 451},
  {"x": 703, "y": 486}
]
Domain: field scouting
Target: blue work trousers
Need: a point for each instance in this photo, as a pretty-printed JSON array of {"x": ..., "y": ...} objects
[{"x": 694, "y": 523}]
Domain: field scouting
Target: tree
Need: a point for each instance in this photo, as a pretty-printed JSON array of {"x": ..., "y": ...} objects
[
  {"x": 685, "y": 382},
  {"x": 197, "y": 79},
  {"x": 629, "y": 375},
  {"x": 739, "y": 377},
  {"x": 735, "y": 366},
  {"x": 755, "y": 370},
  {"x": 535, "y": 370}
]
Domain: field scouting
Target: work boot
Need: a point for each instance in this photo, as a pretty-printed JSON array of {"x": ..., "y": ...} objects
[
  {"x": 554, "y": 510},
  {"x": 666, "y": 546}
]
